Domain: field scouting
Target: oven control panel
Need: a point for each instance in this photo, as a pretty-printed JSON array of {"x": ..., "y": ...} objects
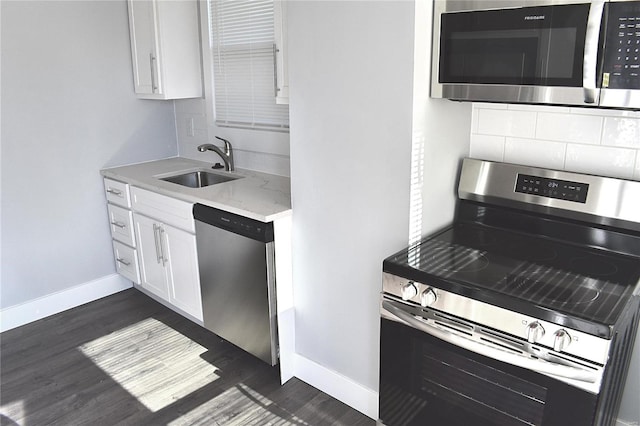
[
  {"x": 532, "y": 330},
  {"x": 552, "y": 188}
]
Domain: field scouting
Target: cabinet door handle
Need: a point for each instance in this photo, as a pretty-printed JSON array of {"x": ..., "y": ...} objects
[
  {"x": 275, "y": 70},
  {"x": 155, "y": 240},
  {"x": 124, "y": 262},
  {"x": 114, "y": 192},
  {"x": 119, "y": 224},
  {"x": 152, "y": 60},
  {"x": 161, "y": 233}
]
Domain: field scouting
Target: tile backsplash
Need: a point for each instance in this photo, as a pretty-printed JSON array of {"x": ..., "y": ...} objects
[{"x": 597, "y": 141}]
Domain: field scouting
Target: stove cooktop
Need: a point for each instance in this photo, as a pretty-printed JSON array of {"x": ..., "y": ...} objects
[{"x": 524, "y": 272}]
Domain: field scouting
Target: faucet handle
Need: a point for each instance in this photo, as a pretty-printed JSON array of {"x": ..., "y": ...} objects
[
  {"x": 226, "y": 142},
  {"x": 227, "y": 145}
]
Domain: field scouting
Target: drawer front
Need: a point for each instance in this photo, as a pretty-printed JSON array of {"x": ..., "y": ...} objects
[
  {"x": 121, "y": 224},
  {"x": 117, "y": 192},
  {"x": 126, "y": 261},
  {"x": 165, "y": 209}
]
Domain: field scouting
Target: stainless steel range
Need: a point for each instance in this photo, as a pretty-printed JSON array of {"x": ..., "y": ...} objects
[{"x": 523, "y": 311}]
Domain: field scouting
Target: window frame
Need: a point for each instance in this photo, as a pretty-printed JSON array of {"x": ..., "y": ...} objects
[{"x": 209, "y": 80}]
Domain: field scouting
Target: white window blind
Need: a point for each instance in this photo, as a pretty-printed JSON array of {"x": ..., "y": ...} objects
[{"x": 242, "y": 49}]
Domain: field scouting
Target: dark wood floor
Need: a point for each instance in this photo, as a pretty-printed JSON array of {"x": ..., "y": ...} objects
[{"x": 128, "y": 360}]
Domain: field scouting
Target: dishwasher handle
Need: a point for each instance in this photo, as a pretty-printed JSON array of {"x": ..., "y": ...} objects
[{"x": 250, "y": 228}]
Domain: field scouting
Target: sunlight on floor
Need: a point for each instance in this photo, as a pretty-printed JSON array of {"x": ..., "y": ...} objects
[
  {"x": 11, "y": 411},
  {"x": 249, "y": 408},
  {"x": 148, "y": 371}
]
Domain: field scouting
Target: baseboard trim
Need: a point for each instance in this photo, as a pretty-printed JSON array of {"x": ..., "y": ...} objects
[
  {"x": 338, "y": 386},
  {"x": 42, "y": 307}
]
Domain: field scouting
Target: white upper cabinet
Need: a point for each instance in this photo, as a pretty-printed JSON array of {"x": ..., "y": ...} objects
[
  {"x": 280, "y": 33},
  {"x": 165, "y": 48}
]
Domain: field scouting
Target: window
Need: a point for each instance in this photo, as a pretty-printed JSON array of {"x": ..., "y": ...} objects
[{"x": 242, "y": 51}]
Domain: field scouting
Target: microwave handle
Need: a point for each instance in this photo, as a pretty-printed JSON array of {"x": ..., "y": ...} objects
[{"x": 590, "y": 62}]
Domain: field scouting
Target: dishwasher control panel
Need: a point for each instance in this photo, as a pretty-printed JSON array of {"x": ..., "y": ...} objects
[{"x": 235, "y": 223}]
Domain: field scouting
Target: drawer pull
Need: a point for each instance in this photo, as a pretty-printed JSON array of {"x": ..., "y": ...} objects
[
  {"x": 114, "y": 192},
  {"x": 119, "y": 224},
  {"x": 124, "y": 262}
]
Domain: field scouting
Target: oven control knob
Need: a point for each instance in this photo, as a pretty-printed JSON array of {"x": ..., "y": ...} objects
[
  {"x": 534, "y": 332},
  {"x": 409, "y": 291},
  {"x": 561, "y": 340},
  {"x": 428, "y": 297}
]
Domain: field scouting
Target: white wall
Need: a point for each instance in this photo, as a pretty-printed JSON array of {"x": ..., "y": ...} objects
[
  {"x": 597, "y": 141},
  {"x": 351, "y": 73},
  {"x": 357, "y": 115},
  {"x": 265, "y": 151},
  {"x": 440, "y": 140},
  {"x": 68, "y": 110}
]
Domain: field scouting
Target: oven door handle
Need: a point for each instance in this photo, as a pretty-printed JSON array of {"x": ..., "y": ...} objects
[{"x": 537, "y": 365}]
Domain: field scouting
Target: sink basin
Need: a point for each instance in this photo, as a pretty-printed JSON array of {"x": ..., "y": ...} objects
[{"x": 198, "y": 179}]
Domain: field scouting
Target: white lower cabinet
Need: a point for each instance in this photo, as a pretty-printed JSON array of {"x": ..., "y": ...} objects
[
  {"x": 182, "y": 270},
  {"x": 121, "y": 225},
  {"x": 153, "y": 274},
  {"x": 168, "y": 262}
]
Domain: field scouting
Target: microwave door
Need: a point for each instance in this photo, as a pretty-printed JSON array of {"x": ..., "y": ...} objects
[{"x": 542, "y": 54}]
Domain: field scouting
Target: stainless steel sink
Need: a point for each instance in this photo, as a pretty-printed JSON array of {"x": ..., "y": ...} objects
[{"x": 198, "y": 179}]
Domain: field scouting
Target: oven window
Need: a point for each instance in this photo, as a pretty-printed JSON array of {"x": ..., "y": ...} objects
[
  {"x": 426, "y": 381},
  {"x": 513, "y": 46},
  {"x": 496, "y": 396}
]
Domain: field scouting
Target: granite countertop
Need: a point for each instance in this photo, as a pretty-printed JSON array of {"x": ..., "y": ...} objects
[{"x": 256, "y": 195}]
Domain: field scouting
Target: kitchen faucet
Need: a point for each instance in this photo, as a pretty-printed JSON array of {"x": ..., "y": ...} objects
[{"x": 226, "y": 155}]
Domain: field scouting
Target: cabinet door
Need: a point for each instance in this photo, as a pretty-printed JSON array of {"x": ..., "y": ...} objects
[
  {"x": 144, "y": 49},
  {"x": 280, "y": 22},
  {"x": 182, "y": 270},
  {"x": 153, "y": 274},
  {"x": 165, "y": 48}
]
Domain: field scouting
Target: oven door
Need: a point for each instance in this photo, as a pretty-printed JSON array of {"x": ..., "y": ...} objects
[{"x": 426, "y": 380}]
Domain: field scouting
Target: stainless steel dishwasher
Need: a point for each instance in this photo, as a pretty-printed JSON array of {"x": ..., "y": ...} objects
[{"x": 237, "y": 280}]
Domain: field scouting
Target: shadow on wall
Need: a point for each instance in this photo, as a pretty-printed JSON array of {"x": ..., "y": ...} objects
[{"x": 153, "y": 137}]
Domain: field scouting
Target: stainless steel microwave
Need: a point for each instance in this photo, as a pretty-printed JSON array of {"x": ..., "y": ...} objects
[{"x": 560, "y": 52}]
